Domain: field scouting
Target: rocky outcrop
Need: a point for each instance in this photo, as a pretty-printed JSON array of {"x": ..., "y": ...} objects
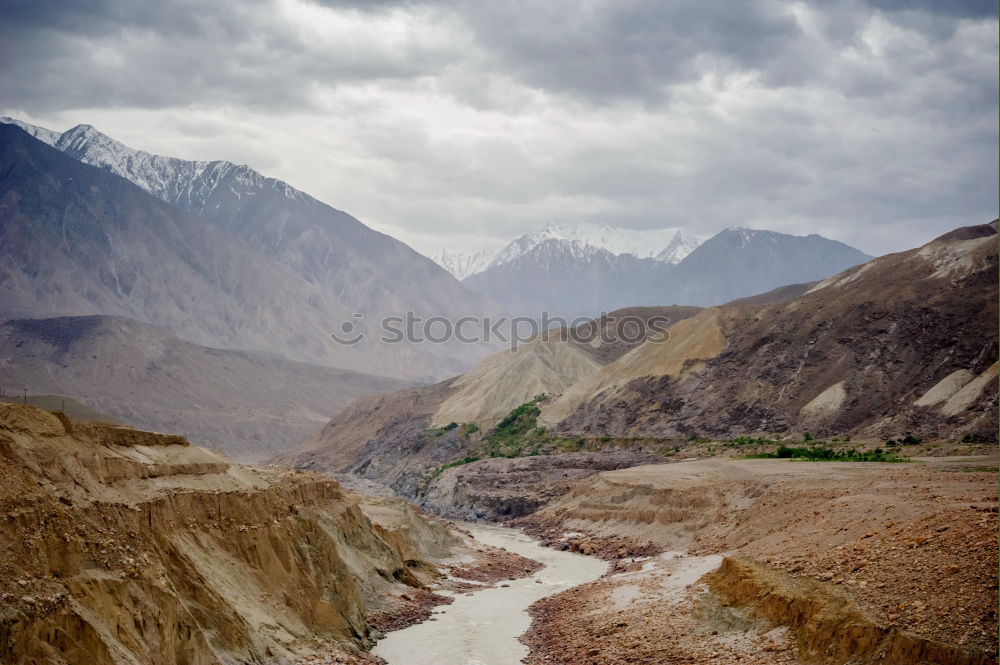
[
  {"x": 124, "y": 546},
  {"x": 501, "y": 489}
]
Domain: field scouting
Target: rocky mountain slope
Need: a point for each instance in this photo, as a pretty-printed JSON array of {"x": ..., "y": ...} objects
[
  {"x": 396, "y": 439},
  {"x": 573, "y": 278},
  {"x": 903, "y": 343},
  {"x": 177, "y": 255},
  {"x": 124, "y": 546},
  {"x": 252, "y": 405}
]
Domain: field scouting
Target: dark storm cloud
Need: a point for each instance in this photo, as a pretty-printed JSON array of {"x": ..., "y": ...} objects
[
  {"x": 962, "y": 8},
  {"x": 630, "y": 48},
  {"x": 636, "y": 49},
  {"x": 123, "y": 53}
]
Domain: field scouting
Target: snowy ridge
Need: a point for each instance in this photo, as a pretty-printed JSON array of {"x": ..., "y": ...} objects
[
  {"x": 40, "y": 133},
  {"x": 177, "y": 181},
  {"x": 617, "y": 240},
  {"x": 669, "y": 245}
]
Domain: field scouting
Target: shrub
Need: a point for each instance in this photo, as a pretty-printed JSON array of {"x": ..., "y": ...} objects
[
  {"x": 824, "y": 454},
  {"x": 450, "y": 465},
  {"x": 516, "y": 431},
  {"x": 748, "y": 440}
]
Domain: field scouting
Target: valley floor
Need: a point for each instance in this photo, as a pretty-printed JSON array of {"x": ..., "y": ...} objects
[
  {"x": 120, "y": 546},
  {"x": 774, "y": 561}
]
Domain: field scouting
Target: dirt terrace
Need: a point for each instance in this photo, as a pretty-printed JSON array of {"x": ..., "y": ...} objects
[{"x": 911, "y": 548}]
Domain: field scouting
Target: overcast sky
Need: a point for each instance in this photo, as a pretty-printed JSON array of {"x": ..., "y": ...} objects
[{"x": 464, "y": 124}]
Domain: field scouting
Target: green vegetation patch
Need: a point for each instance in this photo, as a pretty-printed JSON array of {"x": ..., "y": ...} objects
[
  {"x": 450, "y": 465},
  {"x": 908, "y": 440},
  {"x": 825, "y": 454},
  {"x": 748, "y": 441},
  {"x": 518, "y": 432}
]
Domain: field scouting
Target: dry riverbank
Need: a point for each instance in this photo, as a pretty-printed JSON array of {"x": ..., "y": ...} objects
[{"x": 899, "y": 559}]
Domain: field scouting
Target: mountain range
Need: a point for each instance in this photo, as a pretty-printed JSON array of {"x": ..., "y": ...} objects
[
  {"x": 902, "y": 345},
  {"x": 576, "y": 278},
  {"x": 211, "y": 251},
  {"x": 668, "y": 244},
  {"x": 199, "y": 297}
]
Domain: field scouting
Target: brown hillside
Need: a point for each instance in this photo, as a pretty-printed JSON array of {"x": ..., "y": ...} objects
[{"x": 904, "y": 343}]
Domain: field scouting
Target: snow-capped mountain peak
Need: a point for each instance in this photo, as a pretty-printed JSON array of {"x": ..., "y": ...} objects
[
  {"x": 680, "y": 246},
  {"x": 462, "y": 264},
  {"x": 644, "y": 243},
  {"x": 670, "y": 245}
]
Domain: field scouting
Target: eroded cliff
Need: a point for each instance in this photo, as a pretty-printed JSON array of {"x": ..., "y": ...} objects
[{"x": 124, "y": 546}]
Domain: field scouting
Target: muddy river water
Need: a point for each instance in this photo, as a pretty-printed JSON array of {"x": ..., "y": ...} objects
[{"x": 482, "y": 629}]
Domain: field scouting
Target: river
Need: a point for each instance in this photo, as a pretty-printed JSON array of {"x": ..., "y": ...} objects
[{"x": 482, "y": 629}]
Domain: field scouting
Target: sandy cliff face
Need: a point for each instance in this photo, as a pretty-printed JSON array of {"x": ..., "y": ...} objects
[{"x": 124, "y": 546}]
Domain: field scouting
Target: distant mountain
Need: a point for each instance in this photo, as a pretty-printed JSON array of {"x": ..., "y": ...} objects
[
  {"x": 278, "y": 270},
  {"x": 251, "y": 405},
  {"x": 740, "y": 262},
  {"x": 643, "y": 244},
  {"x": 670, "y": 245},
  {"x": 571, "y": 278}
]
